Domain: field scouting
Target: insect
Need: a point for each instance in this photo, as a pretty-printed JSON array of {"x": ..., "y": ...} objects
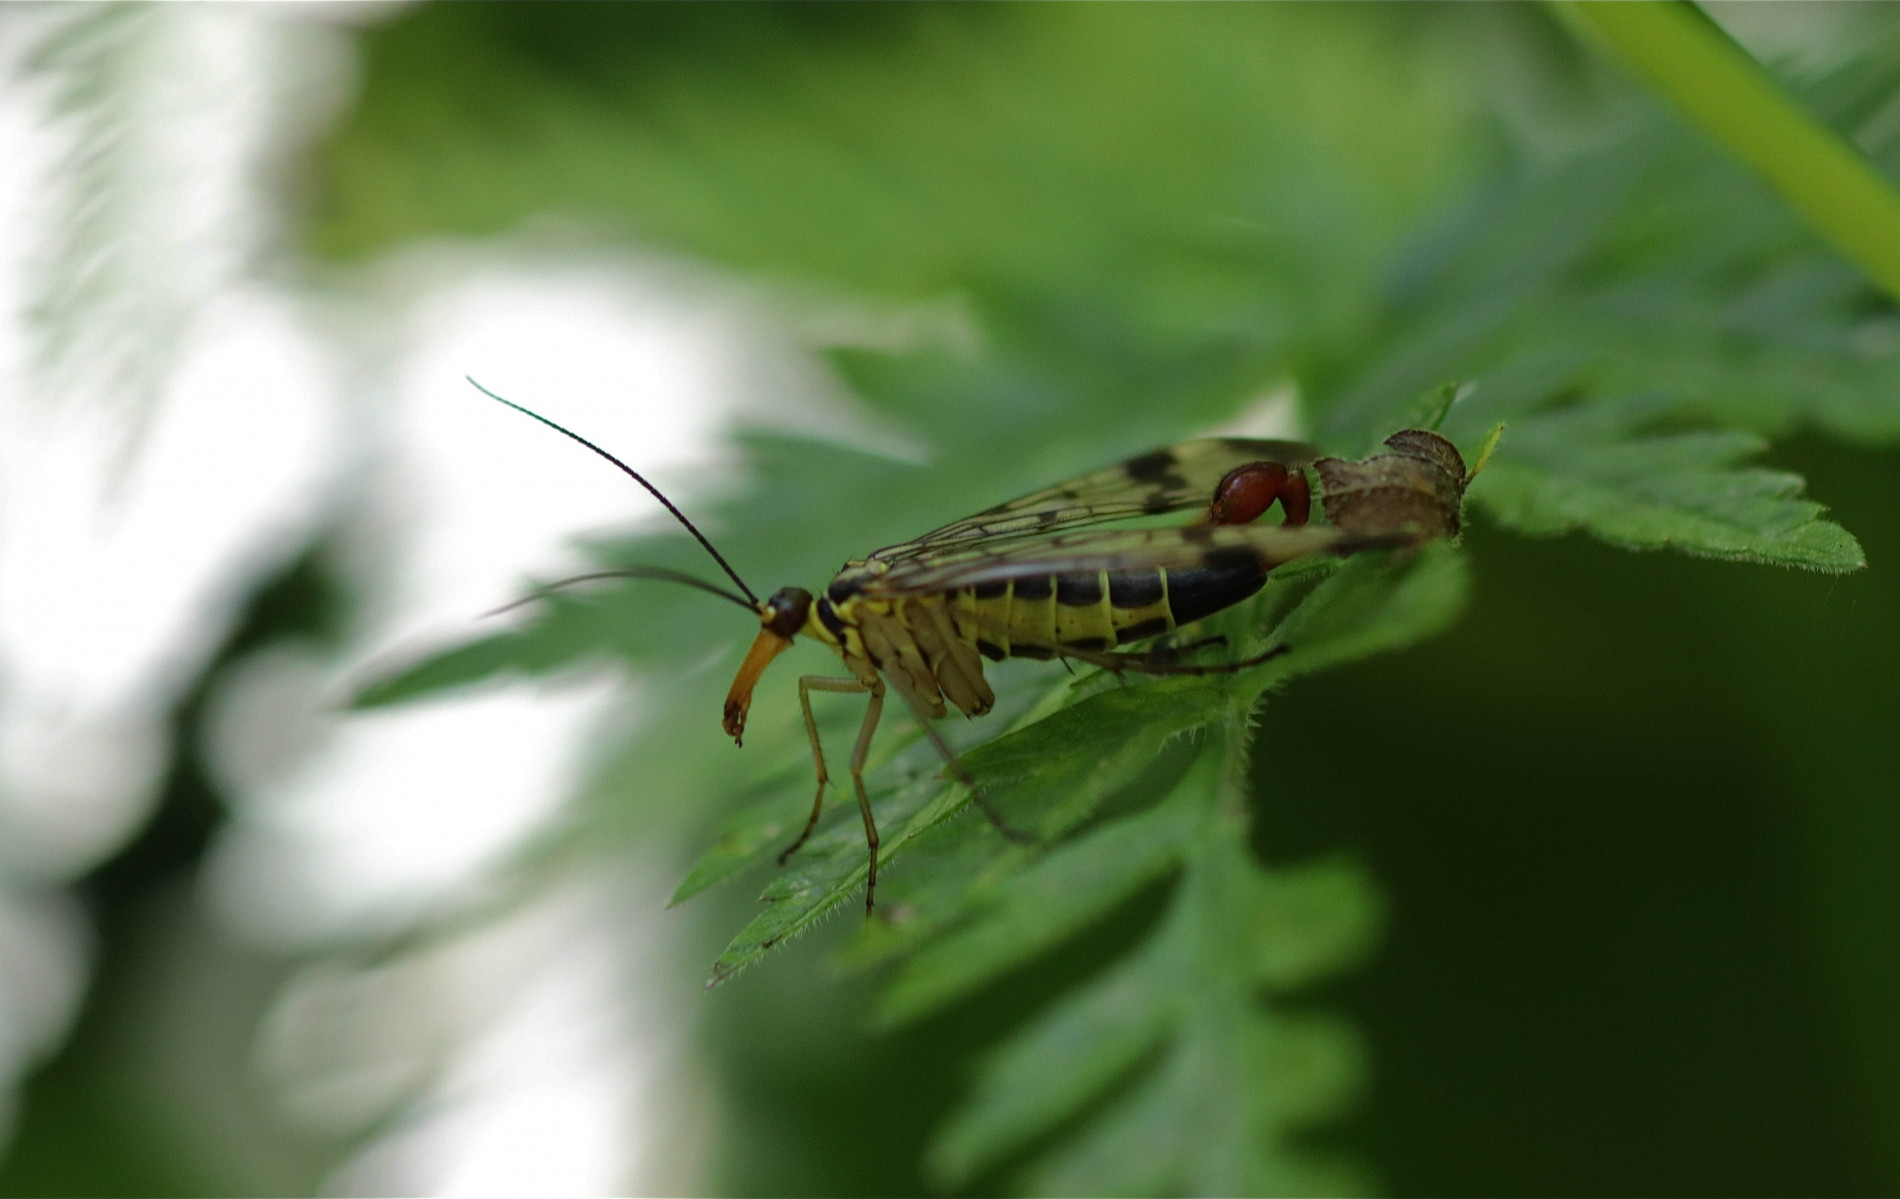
[{"x": 1032, "y": 579}]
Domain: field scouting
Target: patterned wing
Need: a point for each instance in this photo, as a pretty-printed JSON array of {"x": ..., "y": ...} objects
[
  {"x": 1166, "y": 480},
  {"x": 1119, "y": 550}
]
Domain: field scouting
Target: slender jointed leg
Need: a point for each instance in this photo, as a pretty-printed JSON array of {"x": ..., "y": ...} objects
[
  {"x": 859, "y": 753},
  {"x": 1169, "y": 653},
  {"x": 1146, "y": 664},
  {"x": 807, "y": 685},
  {"x": 962, "y": 773}
]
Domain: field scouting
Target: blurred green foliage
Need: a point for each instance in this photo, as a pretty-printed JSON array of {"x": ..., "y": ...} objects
[{"x": 1632, "y": 816}]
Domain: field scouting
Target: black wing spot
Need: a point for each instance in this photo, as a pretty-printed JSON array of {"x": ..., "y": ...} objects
[
  {"x": 1199, "y": 535},
  {"x": 1156, "y": 504},
  {"x": 1150, "y": 468}
]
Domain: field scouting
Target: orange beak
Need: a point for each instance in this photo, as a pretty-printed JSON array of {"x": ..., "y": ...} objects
[{"x": 739, "y": 700}]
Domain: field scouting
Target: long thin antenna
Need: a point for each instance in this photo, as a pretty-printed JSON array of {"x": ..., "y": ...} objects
[
  {"x": 636, "y": 476},
  {"x": 632, "y": 572}
]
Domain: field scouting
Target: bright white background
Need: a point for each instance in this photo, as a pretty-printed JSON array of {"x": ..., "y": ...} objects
[{"x": 190, "y": 417}]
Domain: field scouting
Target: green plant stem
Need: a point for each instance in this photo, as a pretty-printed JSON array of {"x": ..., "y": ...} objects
[{"x": 1727, "y": 93}]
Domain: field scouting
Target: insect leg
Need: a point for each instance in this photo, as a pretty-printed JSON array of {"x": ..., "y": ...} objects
[
  {"x": 961, "y": 772},
  {"x": 1173, "y": 653},
  {"x": 1143, "y": 664},
  {"x": 859, "y": 753},
  {"x": 1190, "y": 646},
  {"x": 807, "y": 685}
]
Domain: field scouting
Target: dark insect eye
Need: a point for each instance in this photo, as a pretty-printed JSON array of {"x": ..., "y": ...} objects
[{"x": 785, "y": 611}]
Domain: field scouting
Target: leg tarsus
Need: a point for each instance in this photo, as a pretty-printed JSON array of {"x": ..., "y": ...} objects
[
  {"x": 871, "y": 839},
  {"x": 963, "y": 774},
  {"x": 1168, "y": 652},
  {"x": 817, "y": 806},
  {"x": 1146, "y": 664},
  {"x": 806, "y": 686},
  {"x": 859, "y": 753}
]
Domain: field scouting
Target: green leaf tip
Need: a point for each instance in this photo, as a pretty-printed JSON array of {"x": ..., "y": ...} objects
[
  {"x": 1487, "y": 446},
  {"x": 1598, "y": 468}
]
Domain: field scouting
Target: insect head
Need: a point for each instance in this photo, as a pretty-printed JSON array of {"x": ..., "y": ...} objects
[{"x": 780, "y": 618}]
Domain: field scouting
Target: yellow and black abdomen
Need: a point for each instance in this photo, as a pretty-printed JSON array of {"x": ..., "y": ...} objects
[{"x": 1037, "y": 616}]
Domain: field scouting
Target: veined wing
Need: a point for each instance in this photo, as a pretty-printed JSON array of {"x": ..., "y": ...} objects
[
  {"x": 1119, "y": 549},
  {"x": 1165, "y": 480}
]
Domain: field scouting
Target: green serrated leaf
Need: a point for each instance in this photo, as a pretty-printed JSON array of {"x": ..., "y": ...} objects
[
  {"x": 1057, "y": 770},
  {"x": 1592, "y": 468},
  {"x": 824, "y": 874}
]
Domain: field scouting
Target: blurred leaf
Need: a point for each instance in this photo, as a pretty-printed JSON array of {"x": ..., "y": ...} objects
[
  {"x": 1642, "y": 263},
  {"x": 1048, "y": 1071},
  {"x": 1727, "y": 94},
  {"x": 1076, "y": 883},
  {"x": 917, "y": 150},
  {"x": 1311, "y": 921},
  {"x": 751, "y": 836},
  {"x": 444, "y": 670},
  {"x": 127, "y": 262}
]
